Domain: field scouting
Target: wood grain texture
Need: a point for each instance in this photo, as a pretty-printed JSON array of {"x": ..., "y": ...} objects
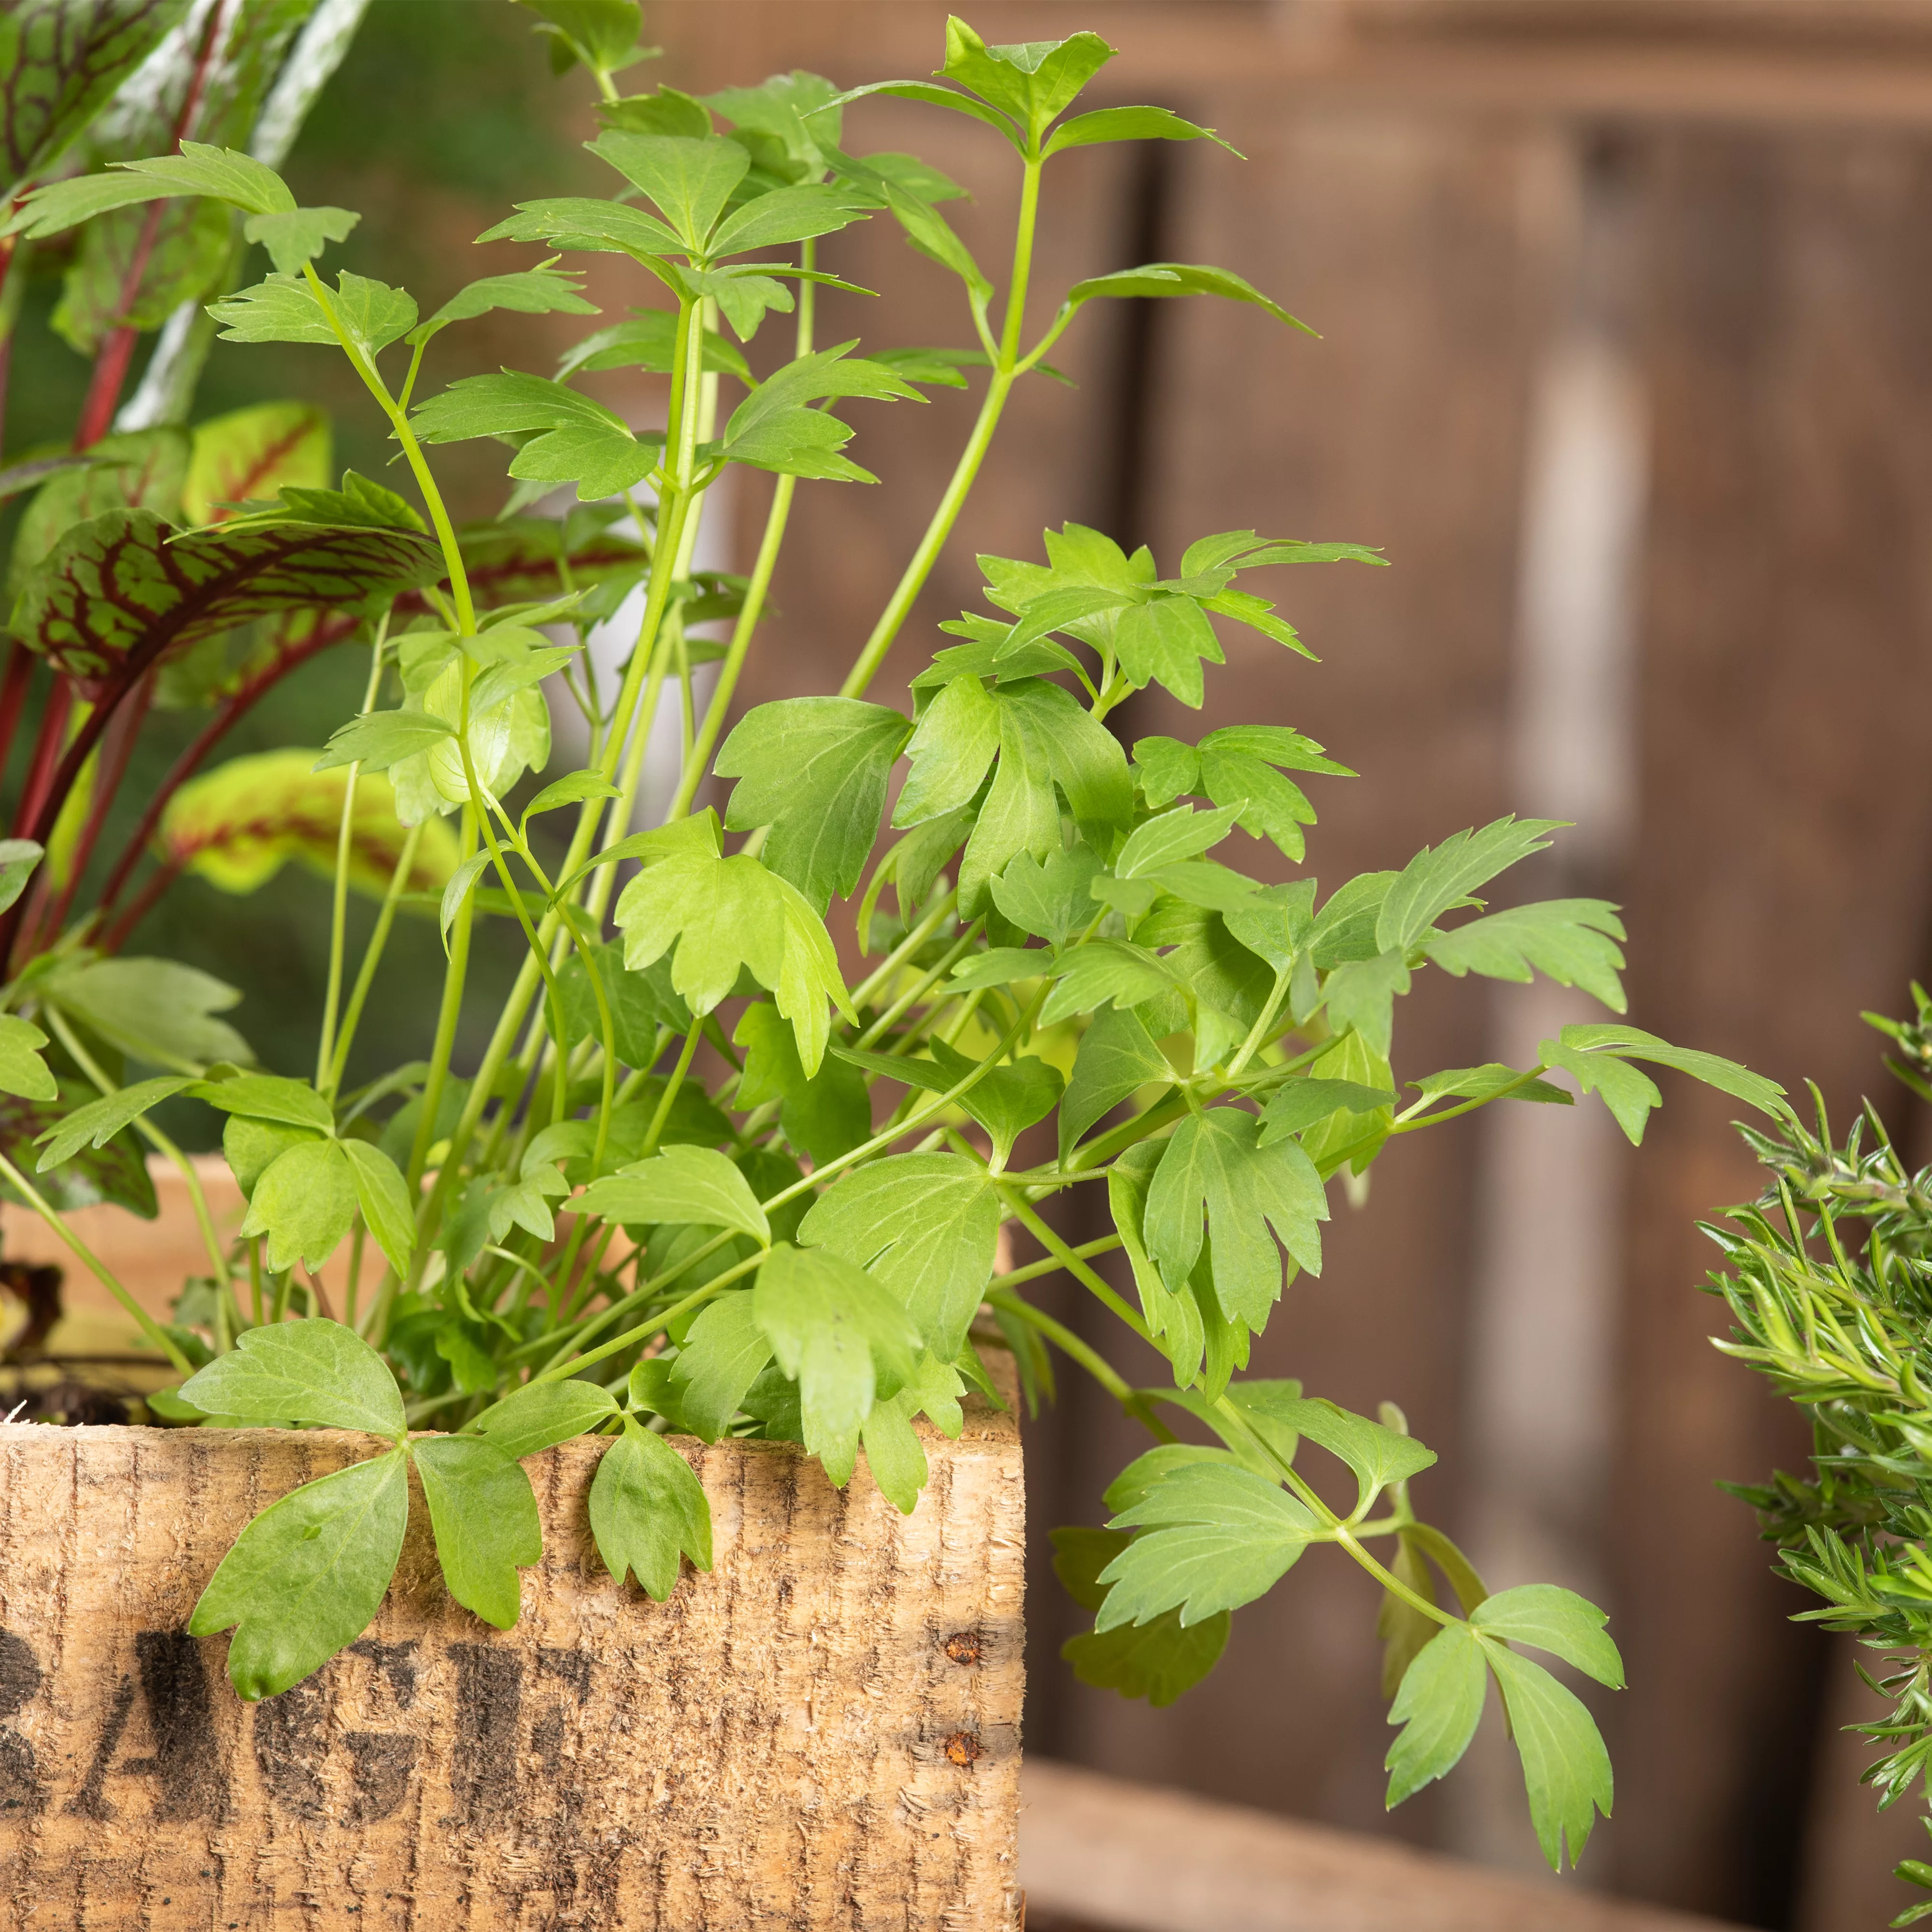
[
  {"x": 1778, "y": 886},
  {"x": 823, "y": 1730},
  {"x": 1101, "y": 1853}
]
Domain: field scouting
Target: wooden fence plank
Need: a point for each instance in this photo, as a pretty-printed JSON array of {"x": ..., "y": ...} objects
[
  {"x": 1100, "y": 1855},
  {"x": 1778, "y": 886}
]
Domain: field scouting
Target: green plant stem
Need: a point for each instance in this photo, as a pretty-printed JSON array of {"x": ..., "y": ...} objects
[
  {"x": 1106, "y": 1244},
  {"x": 1074, "y": 1265},
  {"x": 99, "y": 1269},
  {"x": 880, "y": 975},
  {"x": 338, "y": 923},
  {"x": 372, "y": 956},
  {"x": 999, "y": 387},
  {"x": 655, "y": 1132},
  {"x": 152, "y": 1135},
  {"x": 1096, "y": 1365}
]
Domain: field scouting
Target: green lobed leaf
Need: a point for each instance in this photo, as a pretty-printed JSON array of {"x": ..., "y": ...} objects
[
  {"x": 725, "y": 916},
  {"x": 823, "y": 1116},
  {"x": 540, "y": 1415},
  {"x": 545, "y": 290},
  {"x": 687, "y": 179},
  {"x": 23, "y": 1071},
  {"x": 1158, "y": 1660},
  {"x": 1303, "y": 1103},
  {"x": 1566, "y": 1770},
  {"x": 681, "y": 1185},
  {"x": 1214, "y": 1164},
  {"x": 156, "y": 1009},
  {"x": 1034, "y": 81},
  {"x": 1157, "y": 279},
  {"x": 925, "y": 1227},
  {"x": 723, "y": 1353},
  {"x": 1377, "y": 1455},
  {"x": 313, "y": 1371},
  {"x": 304, "y": 1202},
  {"x": 1484, "y": 1082},
  {"x": 1127, "y": 124},
  {"x": 814, "y": 770},
  {"x": 1572, "y": 941},
  {"x": 267, "y": 1097},
  {"x": 384, "y": 1199},
  {"x": 485, "y": 1515},
  {"x": 1218, "y": 1537},
  {"x": 1598, "y": 1053},
  {"x": 648, "y": 1511},
  {"x": 833, "y": 1330},
  {"x": 957, "y": 736},
  {"x": 97, "y": 1122},
  {"x": 307, "y": 1576},
  {"x": 1117, "y": 1057},
  {"x": 1438, "y": 881},
  {"x": 1555, "y": 1620},
  {"x": 19, "y": 858},
  {"x": 1438, "y": 1703}
]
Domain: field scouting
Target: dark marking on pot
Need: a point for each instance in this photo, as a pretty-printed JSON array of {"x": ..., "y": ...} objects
[
  {"x": 395, "y": 1661},
  {"x": 180, "y": 1717},
  {"x": 380, "y": 1763},
  {"x": 89, "y": 1801},
  {"x": 291, "y": 1741},
  {"x": 20, "y": 1679},
  {"x": 19, "y": 1673},
  {"x": 572, "y": 1667},
  {"x": 489, "y": 1728},
  {"x": 546, "y": 1737},
  {"x": 961, "y": 1748},
  {"x": 965, "y": 1647}
]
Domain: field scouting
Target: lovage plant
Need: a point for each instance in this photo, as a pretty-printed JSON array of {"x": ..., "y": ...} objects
[{"x": 697, "y": 1183}]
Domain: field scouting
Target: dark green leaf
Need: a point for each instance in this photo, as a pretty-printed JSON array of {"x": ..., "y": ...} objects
[
  {"x": 1157, "y": 1660},
  {"x": 307, "y": 1575},
  {"x": 114, "y": 1171},
  {"x": 1116, "y": 1057},
  {"x": 484, "y": 1515}
]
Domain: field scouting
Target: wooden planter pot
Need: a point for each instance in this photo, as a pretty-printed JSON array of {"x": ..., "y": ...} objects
[{"x": 823, "y": 1731}]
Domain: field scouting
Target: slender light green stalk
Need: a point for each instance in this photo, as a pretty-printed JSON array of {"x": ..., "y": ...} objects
[
  {"x": 1006, "y": 372},
  {"x": 372, "y": 956},
  {"x": 345, "y": 842},
  {"x": 448, "y": 1014},
  {"x": 217, "y": 1254},
  {"x": 95, "y": 1266}
]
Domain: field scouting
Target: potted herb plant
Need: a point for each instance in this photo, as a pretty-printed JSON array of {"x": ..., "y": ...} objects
[{"x": 688, "y": 1280}]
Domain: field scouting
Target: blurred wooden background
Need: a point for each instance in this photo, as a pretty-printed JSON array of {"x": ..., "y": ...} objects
[{"x": 1626, "y": 310}]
